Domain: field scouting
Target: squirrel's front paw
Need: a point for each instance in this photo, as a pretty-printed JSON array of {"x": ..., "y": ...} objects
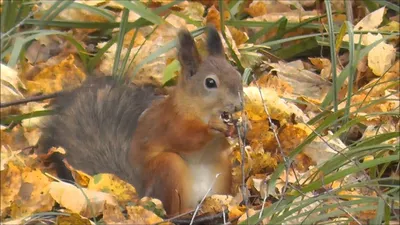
[{"x": 222, "y": 124}]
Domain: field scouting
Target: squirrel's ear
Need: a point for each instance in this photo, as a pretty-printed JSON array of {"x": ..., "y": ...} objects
[
  {"x": 188, "y": 55},
  {"x": 214, "y": 43}
]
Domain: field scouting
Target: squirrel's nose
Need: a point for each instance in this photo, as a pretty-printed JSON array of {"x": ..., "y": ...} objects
[
  {"x": 238, "y": 107},
  {"x": 234, "y": 107}
]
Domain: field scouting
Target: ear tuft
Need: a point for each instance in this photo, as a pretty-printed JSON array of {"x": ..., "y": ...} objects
[
  {"x": 188, "y": 55},
  {"x": 214, "y": 43}
]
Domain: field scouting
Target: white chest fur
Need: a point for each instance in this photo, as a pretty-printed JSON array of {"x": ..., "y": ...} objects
[
  {"x": 203, "y": 167},
  {"x": 203, "y": 177}
]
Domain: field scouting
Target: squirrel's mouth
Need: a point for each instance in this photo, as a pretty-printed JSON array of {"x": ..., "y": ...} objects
[{"x": 227, "y": 118}]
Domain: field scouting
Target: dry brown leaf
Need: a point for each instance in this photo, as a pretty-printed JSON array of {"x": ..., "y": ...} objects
[
  {"x": 10, "y": 86},
  {"x": 33, "y": 194},
  {"x": 140, "y": 215},
  {"x": 34, "y": 122},
  {"x": 262, "y": 162},
  {"x": 139, "y": 39},
  {"x": 55, "y": 78},
  {"x": 257, "y": 8},
  {"x": 79, "y": 176},
  {"x": 15, "y": 138},
  {"x": 10, "y": 184},
  {"x": 238, "y": 36},
  {"x": 216, "y": 203},
  {"x": 324, "y": 148},
  {"x": 389, "y": 80},
  {"x": 69, "y": 14},
  {"x": 325, "y": 66},
  {"x": 110, "y": 183},
  {"x": 278, "y": 108},
  {"x": 304, "y": 82},
  {"x": 112, "y": 215},
  {"x": 73, "y": 218},
  {"x": 213, "y": 17},
  {"x": 86, "y": 202},
  {"x": 193, "y": 10},
  {"x": 280, "y": 86},
  {"x": 290, "y": 136},
  {"x": 382, "y": 56}
]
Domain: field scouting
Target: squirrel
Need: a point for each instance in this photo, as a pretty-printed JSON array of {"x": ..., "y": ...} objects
[{"x": 170, "y": 147}]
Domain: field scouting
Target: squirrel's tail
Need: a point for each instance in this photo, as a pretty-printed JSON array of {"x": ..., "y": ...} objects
[{"x": 95, "y": 124}]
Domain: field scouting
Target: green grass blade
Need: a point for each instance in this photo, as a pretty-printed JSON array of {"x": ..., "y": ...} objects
[
  {"x": 49, "y": 11},
  {"x": 390, "y": 5},
  {"x": 290, "y": 26},
  {"x": 63, "y": 5},
  {"x": 337, "y": 213},
  {"x": 99, "y": 11},
  {"x": 5, "y": 10},
  {"x": 333, "y": 55},
  {"x": 20, "y": 43},
  {"x": 142, "y": 10},
  {"x": 297, "y": 49},
  {"x": 87, "y": 25},
  {"x": 222, "y": 19},
  {"x": 351, "y": 170},
  {"x": 120, "y": 42},
  {"x": 128, "y": 52},
  {"x": 19, "y": 118},
  {"x": 265, "y": 30},
  {"x": 96, "y": 59},
  {"x": 352, "y": 70},
  {"x": 380, "y": 213},
  {"x": 170, "y": 71}
]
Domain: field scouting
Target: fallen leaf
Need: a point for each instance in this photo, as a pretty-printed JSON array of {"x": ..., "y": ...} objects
[
  {"x": 33, "y": 195},
  {"x": 140, "y": 215},
  {"x": 55, "y": 78},
  {"x": 382, "y": 56},
  {"x": 86, "y": 202},
  {"x": 304, "y": 82},
  {"x": 110, "y": 183},
  {"x": 73, "y": 218},
  {"x": 112, "y": 215},
  {"x": 10, "y": 184},
  {"x": 216, "y": 203}
]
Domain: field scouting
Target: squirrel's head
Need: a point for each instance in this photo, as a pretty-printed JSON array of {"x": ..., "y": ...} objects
[{"x": 210, "y": 85}]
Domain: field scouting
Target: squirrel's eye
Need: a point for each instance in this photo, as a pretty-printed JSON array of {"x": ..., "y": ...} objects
[{"x": 210, "y": 83}]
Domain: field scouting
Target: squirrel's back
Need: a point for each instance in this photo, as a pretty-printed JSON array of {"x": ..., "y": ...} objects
[{"x": 95, "y": 123}]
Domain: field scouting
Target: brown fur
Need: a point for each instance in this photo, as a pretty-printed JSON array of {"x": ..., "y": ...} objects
[{"x": 169, "y": 148}]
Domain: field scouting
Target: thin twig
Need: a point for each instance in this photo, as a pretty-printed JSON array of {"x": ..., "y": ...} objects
[
  {"x": 286, "y": 161},
  {"x": 213, "y": 219},
  {"x": 30, "y": 99},
  {"x": 242, "y": 144}
]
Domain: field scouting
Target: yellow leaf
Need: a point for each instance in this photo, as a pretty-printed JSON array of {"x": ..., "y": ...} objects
[
  {"x": 33, "y": 195},
  {"x": 140, "y": 215},
  {"x": 10, "y": 185},
  {"x": 257, "y": 9},
  {"x": 74, "y": 219},
  {"x": 85, "y": 202},
  {"x": 109, "y": 183},
  {"x": 216, "y": 203},
  {"x": 64, "y": 75},
  {"x": 112, "y": 215},
  {"x": 213, "y": 17},
  {"x": 79, "y": 176},
  {"x": 238, "y": 36}
]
